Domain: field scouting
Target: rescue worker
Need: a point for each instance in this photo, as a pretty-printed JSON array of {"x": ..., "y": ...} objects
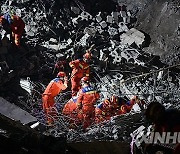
[
  {"x": 52, "y": 90},
  {"x": 73, "y": 115},
  {"x": 14, "y": 25},
  {"x": 103, "y": 111},
  {"x": 87, "y": 98},
  {"x": 118, "y": 105},
  {"x": 80, "y": 69}
]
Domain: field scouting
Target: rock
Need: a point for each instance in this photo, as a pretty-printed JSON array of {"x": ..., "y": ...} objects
[
  {"x": 53, "y": 40},
  {"x": 76, "y": 10},
  {"x": 131, "y": 36},
  {"x": 103, "y": 24},
  {"x": 109, "y": 19},
  {"x": 98, "y": 17}
]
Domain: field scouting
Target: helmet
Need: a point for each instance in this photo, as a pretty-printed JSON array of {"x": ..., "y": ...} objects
[
  {"x": 107, "y": 104},
  {"x": 61, "y": 74},
  {"x": 85, "y": 79},
  {"x": 87, "y": 55},
  {"x": 123, "y": 108}
]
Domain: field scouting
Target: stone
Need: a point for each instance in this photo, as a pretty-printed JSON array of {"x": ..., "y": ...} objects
[
  {"x": 103, "y": 24},
  {"x": 132, "y": 36},
  {"x": 109, "y": 19},
  {"x": 76, "y": 10},
  {"x": 53, "y": 40},
  {"x": 98, "y": 17}
]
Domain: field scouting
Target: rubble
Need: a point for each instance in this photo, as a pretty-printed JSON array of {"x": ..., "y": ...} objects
[{"x": 121, "y": 63}]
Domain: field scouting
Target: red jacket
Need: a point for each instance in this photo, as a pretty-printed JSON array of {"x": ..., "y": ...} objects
[
  {"x": 17, "y": 25},
  {"x": 81, "y": 67}
]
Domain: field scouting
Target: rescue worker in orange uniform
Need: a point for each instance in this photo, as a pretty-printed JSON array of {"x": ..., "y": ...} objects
[
  {"x": 118, "y": 105},
  {"x": 13, "y": 24},
  {"x": 80, "y": 69},
  {"x": 87, "y": 98},
  {"x": 52, "y": 90},
  {"x": 103, "y": 111},
  {"x": 73, "y": 115}
]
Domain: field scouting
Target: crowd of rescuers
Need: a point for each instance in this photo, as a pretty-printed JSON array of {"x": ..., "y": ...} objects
[
  {"x": 14, "y": 26},
  {"x": 81, "y": 109}
]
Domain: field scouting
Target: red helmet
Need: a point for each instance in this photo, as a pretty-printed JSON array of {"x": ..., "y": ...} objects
[
  {"x": 61, "y": 74},
  {"x": 107, "y": 104},
  {"x": 85, "y": 79},
  {"x": 87, "y": 55},
  {"x": 123, "y": 108}
]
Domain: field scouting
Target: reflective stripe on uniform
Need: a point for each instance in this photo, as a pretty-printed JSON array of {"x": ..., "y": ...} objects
[
  {"x": 90, "y": 92},
  {"x": 86, "y": 67},
  {"x": 103, "y": 113},
  {"x": 81, "y": 66}
]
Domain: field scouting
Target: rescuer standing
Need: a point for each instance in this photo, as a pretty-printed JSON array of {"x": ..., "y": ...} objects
[
  {"x": 14, "y": 25},
  {"x": 87, "y": 97},
  {"x": 80, "y": 69}
]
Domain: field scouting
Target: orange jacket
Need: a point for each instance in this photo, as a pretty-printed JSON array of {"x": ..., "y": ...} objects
[
  {"x": 17, "y": 25},
  {"x": 55, "y": 87},
  {"x": 87, "y": 97},
  {"x": 102, "y": 112},
  {"x": 80, "y": 68}
]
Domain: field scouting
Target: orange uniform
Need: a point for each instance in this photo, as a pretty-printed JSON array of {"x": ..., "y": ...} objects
[
  {"x": 103, "y": 111},
  {"x": 52, "y": 90},
  {"x": 80, "y": 69},
  {"x": 72, "y": 114},
  {"x": 16, "y": 25},
  {"x": 86, "y": 99}
]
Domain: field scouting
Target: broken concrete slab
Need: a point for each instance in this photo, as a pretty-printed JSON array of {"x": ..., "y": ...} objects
[
  {"x": 98, "y": 17},
  {"x": 15, "y": 113},
  {"x": 109, "y": 19},
  {"x": 74, "y": 9},
  {"x": 103, "y": 24},
  {"x": 132, "y": 36}
]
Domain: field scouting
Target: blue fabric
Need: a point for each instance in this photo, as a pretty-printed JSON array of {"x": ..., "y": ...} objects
[
  {"x": 128, "y": 103},
  {"x": 74, "y": 100},
  {"x": 8, "y": 18},
  {"x": 87, "y": 89},
  {"x": 56, "y": 79},
  {"x": 100, "y": 105}
]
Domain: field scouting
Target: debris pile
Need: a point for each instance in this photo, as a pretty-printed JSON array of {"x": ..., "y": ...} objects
[{"x": 119, "y": 67}]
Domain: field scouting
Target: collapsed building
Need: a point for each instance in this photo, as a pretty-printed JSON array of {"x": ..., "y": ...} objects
[{"x": 128, "y": 59}]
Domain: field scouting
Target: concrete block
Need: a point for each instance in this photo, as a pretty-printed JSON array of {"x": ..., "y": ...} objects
[
  {"x": 76, "y": 10},
  {"x": 103, "y": 24},
  {"x": 14, "y": 112},
  {"x": 98, "y": 17},
  {"x": 109, "y": 19}
]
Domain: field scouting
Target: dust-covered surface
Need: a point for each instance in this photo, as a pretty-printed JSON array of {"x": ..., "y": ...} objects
[{"x": 126, "y": 62}]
